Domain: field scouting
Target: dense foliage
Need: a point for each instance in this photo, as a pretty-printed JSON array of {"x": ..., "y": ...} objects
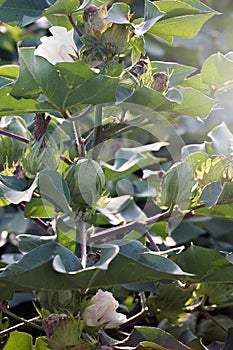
[{"x": 116, "y": 174}]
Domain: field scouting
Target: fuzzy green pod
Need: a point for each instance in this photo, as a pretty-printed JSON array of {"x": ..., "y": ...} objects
[{"x": 86, "y": 181}]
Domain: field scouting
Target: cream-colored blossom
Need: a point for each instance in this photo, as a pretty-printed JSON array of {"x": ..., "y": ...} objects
[
  {"x": 102, "y": 310},
  {"x": 60, "y": 47}
]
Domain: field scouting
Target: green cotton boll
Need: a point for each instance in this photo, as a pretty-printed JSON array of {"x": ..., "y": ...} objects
[
  {"x": 86, "y": 182},
  {"x": 11, "y": 150}
]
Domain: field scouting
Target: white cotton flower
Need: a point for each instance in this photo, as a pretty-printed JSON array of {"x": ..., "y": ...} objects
[
  {"x": 102, "y": 310},
  {"x": 60, "y": 47}
]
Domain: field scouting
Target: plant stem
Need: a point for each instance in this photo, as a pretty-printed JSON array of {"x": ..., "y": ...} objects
[
  {"x": 82, "y": 238},
  {"x": 208, "y": 315},
  {"x": 152, "y": 242},
  {"x": 21, "y": 319},
  {"x": 14, "y": 136},
  {"x": 10, "y": 329},
  {"x": 80, "y": 142},
  {"x": 46, "y": 227},
  {"x": 70, "y": 18},
  {"x": 97, "y": 132}
]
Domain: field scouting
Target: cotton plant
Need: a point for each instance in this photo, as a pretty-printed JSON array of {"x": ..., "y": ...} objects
[{"x": 86, "y": 94}]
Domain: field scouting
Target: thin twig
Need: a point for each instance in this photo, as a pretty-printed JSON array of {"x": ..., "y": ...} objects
[
  {"x": 208, "y": 315},
  {"x": 22, "y": 324},
  {"x": 14, "y": 136},
  {"x": 152, "y": 242},
  {"x": 70, "y": 18},
  {"x": 37, "y": 220},
  {"x": 21, "y": 319}
]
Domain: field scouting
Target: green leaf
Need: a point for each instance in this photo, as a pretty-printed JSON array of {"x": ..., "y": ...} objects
[
  {"x": 128, "y": 160},
  {"x": 122, "y": 209},
  {"x": 118, "y": 13},
  {"x": 38, "y": 208},
  {"x": 74, "y": 73},
  {"x": 219, "y": 211},
  {"x": 28, "y": 242},
  {"x": 183, "y": 26},
  {"x": 15, "y": 196},
  {"x": 222, "y": 140},
  {"x": 211, "y": 266},
  {"x": 177, "y": 8},
  {"x": 217, "y": 70},
  {"x": 229, "y": 340},
  {"x": 13, "y": 11},
  {"x": 38, "y": 75},
  {"x": 177, "y": 72},
  {"x": 195, "y": 104},
  {"x": 145, "y": 96},
  {"x": 10, "y": 105},
  {"x": 41, "y": 344},
  {"x": 177, "y": 186},
  {"x": 38, "y": 263},
  {"x": 196, "y": 83},
  {"x": 98, "y": 89},
  {"x": 62, "y": 7},
  {"x": 211, "y": 194},
  {"x": 9, "y": 71},
  {"x": 160, "y": 337},
  {"x": 54, "y": 189},
  {"x": 19, "y": 340},
  {"x": 151, "y": 15},
  {"x": 65, "y": 261}
]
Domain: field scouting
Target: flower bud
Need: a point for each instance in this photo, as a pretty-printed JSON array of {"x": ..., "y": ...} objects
[
  {"x": 160, "y": 82},
  {"x": 94, "y": 20}
]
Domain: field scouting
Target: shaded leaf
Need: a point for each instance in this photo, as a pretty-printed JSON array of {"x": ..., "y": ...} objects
[
  {"x": 160, "y": 337},
  {"x": 118, "y": 13},
  {"x": 151, "y": 15},
  {"x": 13, "y": 11},
  {"x": 54, "y": 189},
  {"x": 222, "y": 140},
  {"x": 10, "y": 105},
  {"x": 15, "y": 196}
]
